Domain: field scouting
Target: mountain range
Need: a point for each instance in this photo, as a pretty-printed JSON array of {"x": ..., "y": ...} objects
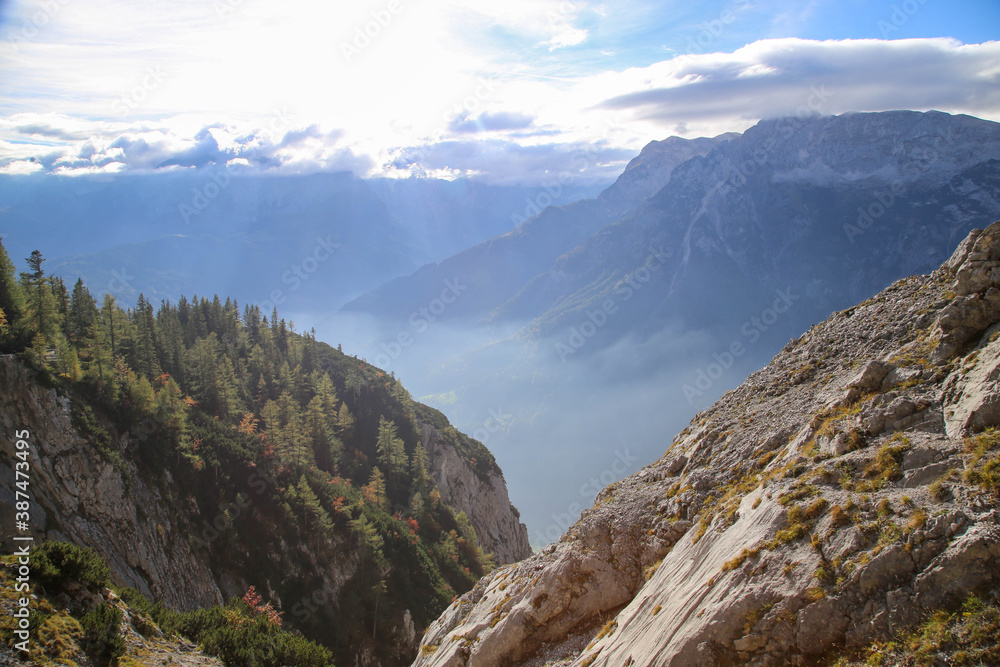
[
  {"x": 839, "y": 507},
  {"x": 718, "y": 258}
]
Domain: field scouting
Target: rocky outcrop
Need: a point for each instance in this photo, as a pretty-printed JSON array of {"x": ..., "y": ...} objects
[
  {"x": 483, "y": 498},
  {"x": 192, "y": 554},
  {"x": 835, "y": 498},
  {"x": 80, "y": 497}
]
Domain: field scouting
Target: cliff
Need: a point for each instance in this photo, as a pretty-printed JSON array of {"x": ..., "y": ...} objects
[
  {"x": 839, "y": 496},
  {"x": 81, "y": 498},
  {"x": 192, "y": 543},
  {"x": 483, "y": 498}
]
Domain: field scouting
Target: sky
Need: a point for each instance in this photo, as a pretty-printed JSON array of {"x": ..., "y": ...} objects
[{"x": 521, "y": 91}]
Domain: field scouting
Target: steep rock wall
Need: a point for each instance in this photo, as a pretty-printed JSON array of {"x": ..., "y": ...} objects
[
  {"x": 484, "y": 501},
  {"x": 79, "y": 497}
]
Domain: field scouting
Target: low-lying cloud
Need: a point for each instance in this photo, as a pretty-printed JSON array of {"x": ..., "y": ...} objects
[{"x": 777, "y": 77}]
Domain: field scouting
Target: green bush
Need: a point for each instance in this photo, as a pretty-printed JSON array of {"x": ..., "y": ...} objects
[
  {"x": 259, "y": 643},
  {"x": 61, "y": 566},
  {"x": 102, "y": 634}
]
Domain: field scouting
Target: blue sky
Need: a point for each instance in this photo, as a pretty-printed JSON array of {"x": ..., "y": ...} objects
[{"x": 522, "y": 91}]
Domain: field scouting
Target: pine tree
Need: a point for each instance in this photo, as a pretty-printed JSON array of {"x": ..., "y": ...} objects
[
  {"x": 420, "y": 479},
  {"x": 345, "y": 422},
  {"x": 81, "y": 315},
  {"x": 12, "y": 303},
  {"x": 41, "y": 315},
  {"x": 374, "y": 491},
  {"x": 391, "y": 450},
  {"x": 312, "y": 508},
  {"x": 110, "y": 313},
  {"x": 60, "y": 297},
  {"x": 144, "y": 358}
]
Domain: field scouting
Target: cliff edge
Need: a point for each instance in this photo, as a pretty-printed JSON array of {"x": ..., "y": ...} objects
[{"x": 843, "y": 493}]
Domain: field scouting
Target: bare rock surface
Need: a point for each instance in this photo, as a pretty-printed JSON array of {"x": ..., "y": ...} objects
[
  {"x": 483, "y": 499},
  {"x": 81, "y": 498},
  {"x": 830, "y": 500}
]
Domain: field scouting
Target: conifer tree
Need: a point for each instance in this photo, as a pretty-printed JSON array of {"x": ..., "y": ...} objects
[
  {"x": 391, "y": 450},
  {"x": 12, "y": 303},
  {"x": 345, "y": 422},
  {"x": 41, "y": 312},
  {"x": 81, "y": 315},
  {"x": 144, "y": 360}
]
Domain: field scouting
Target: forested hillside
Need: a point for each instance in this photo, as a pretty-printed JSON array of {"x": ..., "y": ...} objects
[{"x": 272, "y": 448}]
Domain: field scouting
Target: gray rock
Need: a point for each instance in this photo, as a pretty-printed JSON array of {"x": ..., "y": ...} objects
[
  {"x": 918, "y": 457},
  {"x": 871, "y": 376},
  {"x": 925, "y": 475},
  {"x": 483, "y": 499},
  {"x": 681, "y": 594},
  {"x": 898, "y": 376}
]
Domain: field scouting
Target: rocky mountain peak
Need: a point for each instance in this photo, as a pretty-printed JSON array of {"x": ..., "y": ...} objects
[{"x": 841, "y": 495}]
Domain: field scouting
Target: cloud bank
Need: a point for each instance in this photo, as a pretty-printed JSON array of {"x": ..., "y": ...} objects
[{"x": 515, "y": 127}]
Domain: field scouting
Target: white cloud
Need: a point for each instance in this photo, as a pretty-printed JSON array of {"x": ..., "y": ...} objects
[
  {"x": 20, "y": 167},
  {"x": 271, "y": 88},
  {"x": 772, "y": 78}
]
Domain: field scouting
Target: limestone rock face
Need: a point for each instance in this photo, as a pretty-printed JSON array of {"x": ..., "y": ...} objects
[
  {"x": 822, "y": 503},
  {"x": 159, "y": 541},
  {"x": 484, "y": 500},
  {"x": 81, "y": 498}
]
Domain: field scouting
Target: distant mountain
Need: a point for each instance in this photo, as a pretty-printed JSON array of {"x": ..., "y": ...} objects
[
  {"x": 309, "y": 242},
  {"x": 499, "y": 268},
  {"x": 832, "y": 208},
  {"x": 839, "y": 507},
  {"x": 446, "y": 217},
  {"x": 599, "y": 327}
]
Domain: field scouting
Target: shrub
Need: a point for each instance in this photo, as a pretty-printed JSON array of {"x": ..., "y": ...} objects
[
  {"x": 102, "y": 634},
  {"x": 60, "y": 566}
]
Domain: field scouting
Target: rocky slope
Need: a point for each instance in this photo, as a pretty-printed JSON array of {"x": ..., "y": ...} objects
[
  {"x": 840, "y": 495},
  {"x": 81, "y": 498},
  {"x": 484, "y": 500},
  {"x": 163, "y": 543}
]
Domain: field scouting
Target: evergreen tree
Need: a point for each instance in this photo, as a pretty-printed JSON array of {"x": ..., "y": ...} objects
[
  {"x": 375, "y": 492},
  {"x": 41, "y": 312},
  {"x": 170, "y": 340},
  {"x": 12, "y": 303},
  {"x": 144, "y": 357},
  {"x": 60, "y": 297},
  {"x": 316, "y": 516},
  {"x": 111, "y": 315},
  {"x": 345, "y": 422},
  {"x": 421, "y": 481},
  {"x": 391, "y": 451},
  {"x": 81, "y": 315}
]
